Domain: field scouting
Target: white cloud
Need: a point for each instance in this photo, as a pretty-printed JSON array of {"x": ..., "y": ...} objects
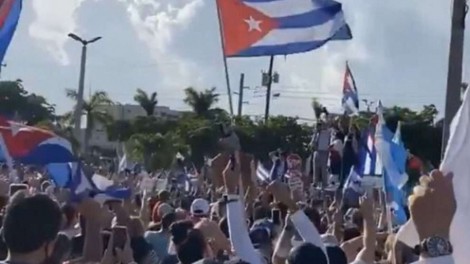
[
  {"x": 54, "y": 19},
  {"x": 158, "y": 24}
]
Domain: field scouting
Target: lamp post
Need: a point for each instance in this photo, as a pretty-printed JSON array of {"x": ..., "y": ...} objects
[{"x": 81, "y": 81}]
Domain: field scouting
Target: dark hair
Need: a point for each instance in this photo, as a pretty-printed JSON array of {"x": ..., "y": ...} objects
[
  {"x": 190, "y": 243},
  {"x": 30, "y": 223},
  {"x": 163, "y": 196},
  {"x": 70, "y": 213},
  {"x": 261, "y": 212},
  {"x": 314, "y": 217},
  {"x": 336, "y": 255},
  {"x": 307, "y": 253},
  {"x": 167, "y": 220}
]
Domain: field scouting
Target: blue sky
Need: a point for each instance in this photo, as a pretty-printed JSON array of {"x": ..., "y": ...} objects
[{"x": 398, "y": 54}]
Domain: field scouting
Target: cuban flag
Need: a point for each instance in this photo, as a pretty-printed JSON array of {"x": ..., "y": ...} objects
[
  {"x": 350, "y": 100},
  {"x": 366, "y": 161},
  {"x": 98, "y": 187},
  {"x": 10, "y": 11},
  {"x": 32, "y": 145},
  {"x": 262, "y": 174},
  {"x": 393, "y": 159},
  {"x": 372, "y": 162},
  {"x": 279, "y": 27},
  {"x": 354, "y": 180}
]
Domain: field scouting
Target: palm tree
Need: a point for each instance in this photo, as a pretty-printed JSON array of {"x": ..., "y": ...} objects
[
  {"x": 201, "y": 102},
  {"x": 155, "y": 150},
  {"x": 147, "y": 102},
  {"x": 93, "y": 110}
]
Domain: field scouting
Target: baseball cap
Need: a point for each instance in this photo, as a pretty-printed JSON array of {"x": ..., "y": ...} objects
[
  {"x": 200, "y": 207},
  {"x": 261, "y": 232}
]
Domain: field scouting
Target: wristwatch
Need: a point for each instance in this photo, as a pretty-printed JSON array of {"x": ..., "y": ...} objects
[{"x": 435, "y": 246}]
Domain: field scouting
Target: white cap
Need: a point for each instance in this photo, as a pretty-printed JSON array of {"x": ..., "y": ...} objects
[{"x": 200, "y": 207}]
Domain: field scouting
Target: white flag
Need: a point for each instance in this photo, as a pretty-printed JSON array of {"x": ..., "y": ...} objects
[{"x": 455, "y": 160}]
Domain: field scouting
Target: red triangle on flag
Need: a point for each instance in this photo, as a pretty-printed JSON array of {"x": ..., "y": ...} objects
[
  {"x": 5, "y": 7},
  {"x": 242, "y": 25}
]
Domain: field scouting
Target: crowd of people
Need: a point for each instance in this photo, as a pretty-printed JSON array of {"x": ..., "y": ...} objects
[
  {"x": 266, "y": 224},
  {"x": 226, "y": 216}
]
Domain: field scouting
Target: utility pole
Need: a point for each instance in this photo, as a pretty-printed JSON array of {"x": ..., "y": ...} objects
[
  {"x": 268, "y": 91},
  {"x": 454, "y": 75},
  {"x": 240, "y": 94},
  {"x": 81, "y": 81}
]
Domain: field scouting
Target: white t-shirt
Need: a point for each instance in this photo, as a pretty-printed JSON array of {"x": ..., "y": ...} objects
[{"x": 323, "y": 139}]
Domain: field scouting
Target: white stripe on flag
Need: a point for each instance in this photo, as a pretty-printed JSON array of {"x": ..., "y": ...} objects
[
  {"x": 292, "y": 35},
  {"x": 262, "y": 173}
]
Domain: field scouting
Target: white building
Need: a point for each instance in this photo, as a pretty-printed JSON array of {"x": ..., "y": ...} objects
[{"x": 99, "y": 136}]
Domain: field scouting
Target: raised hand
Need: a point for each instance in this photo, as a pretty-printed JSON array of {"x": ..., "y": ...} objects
[{"x": 433, "y": 206}]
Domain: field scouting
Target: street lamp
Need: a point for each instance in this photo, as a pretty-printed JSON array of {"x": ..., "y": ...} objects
[{"x": 81, "y": 81}]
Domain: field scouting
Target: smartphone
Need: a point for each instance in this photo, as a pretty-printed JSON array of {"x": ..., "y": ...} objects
[
  {"x": 17, "y": 187},
  {"x": 119, "y": 236},
  {"x": 276, "y": 216}
]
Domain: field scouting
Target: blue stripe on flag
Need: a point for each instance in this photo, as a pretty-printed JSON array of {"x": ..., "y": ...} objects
[
  {"x": 313, "y": 18},
  {"x": 296, "y": 47}
]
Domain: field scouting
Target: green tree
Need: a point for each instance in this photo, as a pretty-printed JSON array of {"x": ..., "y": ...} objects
[
  {"x": 94, "y": 110},
  {"x": 119, "y": 130},
  {"x": 201, "y": 102},
  {"x": 155, "y": 150},
  {"x": 146, "y": 101},
  {"x": 17, "y": 103}
]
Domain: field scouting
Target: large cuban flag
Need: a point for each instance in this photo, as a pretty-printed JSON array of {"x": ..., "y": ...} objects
[
  {"x": 32, "y": 145},
  {"x": 279, "y": 27}
]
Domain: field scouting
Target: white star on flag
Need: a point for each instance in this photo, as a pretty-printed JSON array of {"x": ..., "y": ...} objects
[
  {"x": 14, "y": 128},
  {"x": 253, "y": 24}
]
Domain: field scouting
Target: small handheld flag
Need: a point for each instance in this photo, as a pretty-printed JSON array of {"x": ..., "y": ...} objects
[{"x": 350, "y": 100}]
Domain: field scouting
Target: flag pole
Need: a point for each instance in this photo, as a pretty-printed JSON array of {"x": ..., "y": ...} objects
[
  {"x": 268, "y": 92},
  {"x": 222, "y": 43}
]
